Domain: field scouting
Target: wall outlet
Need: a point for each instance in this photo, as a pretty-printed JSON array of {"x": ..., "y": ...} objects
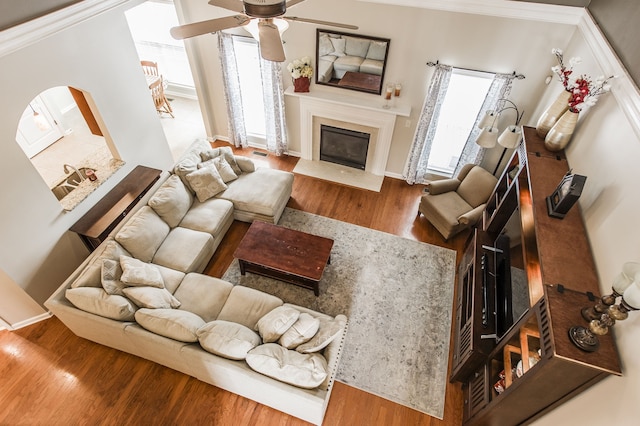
[{"x": 407, "y": 123}]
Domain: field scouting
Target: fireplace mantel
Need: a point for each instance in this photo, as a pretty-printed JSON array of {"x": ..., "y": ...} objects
[{"x": 352, "y": 112}]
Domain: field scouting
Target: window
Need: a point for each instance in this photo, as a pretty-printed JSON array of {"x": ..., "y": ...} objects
[
  {"x": 248, "y": 60},
  {"x": 465, "y": 95}
]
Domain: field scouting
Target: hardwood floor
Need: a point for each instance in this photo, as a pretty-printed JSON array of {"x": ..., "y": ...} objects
[{"x": 50, "y": 376}]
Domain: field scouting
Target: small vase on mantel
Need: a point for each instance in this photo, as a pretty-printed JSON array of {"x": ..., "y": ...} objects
[
  {"x": 553, "y": 113},
  {"x": 560, "y": 134},
  {"x": 301, "y": 84}
]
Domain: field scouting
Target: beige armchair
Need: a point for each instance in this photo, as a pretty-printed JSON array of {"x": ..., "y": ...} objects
[{"x": 453, "y": 205}]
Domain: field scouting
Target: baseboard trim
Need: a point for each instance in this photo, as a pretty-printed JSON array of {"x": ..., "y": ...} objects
[{"x": 29, "y": 321}]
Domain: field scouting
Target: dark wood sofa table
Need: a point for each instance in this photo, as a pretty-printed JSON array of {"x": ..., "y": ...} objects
[{"x": 284, "y": 254}]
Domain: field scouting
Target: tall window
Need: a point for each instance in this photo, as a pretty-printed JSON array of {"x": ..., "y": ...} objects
[
  {"x": 248, "y": 60},
  {"x": 465, "y": 95}
]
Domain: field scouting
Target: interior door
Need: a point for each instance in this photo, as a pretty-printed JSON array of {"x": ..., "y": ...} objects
[{"x": 37, "y": 128}]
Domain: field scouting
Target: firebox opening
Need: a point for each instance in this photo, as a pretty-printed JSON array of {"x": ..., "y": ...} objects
[{"x": 343, "y": 146}]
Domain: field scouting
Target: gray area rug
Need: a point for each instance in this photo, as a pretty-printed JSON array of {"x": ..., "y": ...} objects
[{"x": 398, "y": 296}]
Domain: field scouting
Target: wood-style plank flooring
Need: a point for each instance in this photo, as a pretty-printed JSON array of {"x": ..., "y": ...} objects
[{"x": 48, "y": 376}]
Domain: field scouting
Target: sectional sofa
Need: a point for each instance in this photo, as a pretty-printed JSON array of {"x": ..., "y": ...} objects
[
  {"x": 339, "y": 54},
  {"x": 142, "y": 292}
]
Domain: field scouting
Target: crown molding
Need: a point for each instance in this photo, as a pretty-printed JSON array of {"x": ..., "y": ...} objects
[
  {"x": 499, "y": 8},
  {"x": 20, "y": 36}
]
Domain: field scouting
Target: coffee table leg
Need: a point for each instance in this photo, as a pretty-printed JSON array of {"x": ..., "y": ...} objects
[
  {"x": 242, "y": 267},
  {"x": 329, "y": 260},
  {"x": 316, "y": 289}
]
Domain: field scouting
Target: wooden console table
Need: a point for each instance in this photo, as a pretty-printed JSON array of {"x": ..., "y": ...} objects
[{"x": 94, "y": 227}]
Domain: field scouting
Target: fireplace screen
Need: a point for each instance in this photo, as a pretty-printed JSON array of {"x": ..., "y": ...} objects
[{"x": 342, "y": 146}]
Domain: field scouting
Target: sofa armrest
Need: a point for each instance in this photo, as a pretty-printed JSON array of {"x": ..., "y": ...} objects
[
  {"x": 472, "y": 217},
  {"x": 246, "y": 164},
  {"x": 445, "y": 185}
]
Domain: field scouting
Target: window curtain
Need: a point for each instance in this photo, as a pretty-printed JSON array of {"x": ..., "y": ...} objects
[
  {"x": 273, "y": 95},
  {"x": 472, "y": 152},
  {"x": 236, "y": 127},
  {"x": 416, "y": 166}
]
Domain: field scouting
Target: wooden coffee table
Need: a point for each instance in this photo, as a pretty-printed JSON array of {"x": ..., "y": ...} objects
[{"x": 284, "y": 254}]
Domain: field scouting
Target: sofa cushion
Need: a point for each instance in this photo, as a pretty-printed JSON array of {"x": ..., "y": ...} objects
[
  {"x": 261, "y": 192},
  {"x": 328, "y": 331},
  {"x": 227, "y": 339},
  {"x": 300, "y": 332},
  {"x": 188, "y": 163},
  {"x": 97, "y": 301},
  {"x": 143, "y": 233},
  {"x": 171, "y": 278},
  {"x": 445, "y": 208},
  {"x": 339, "y": 45},
  {"x": 172, "y": 323},
  {"x": 171, "y": 201},
  {"x": 206, "y": 182},
  {"x": 138, "y": 273},
  {"x": 203, "y": 295},
  {"x": 377, "y": 50},
  {"x": 91, "y": 274},
  {"x": 185, "y": 250},
  {"x": 371, "y": 66},
  {"x": 325, "y": 46},
  {"x": 151, "y": 297},
  {"x": 273, "y": 325},
  {"x": 211, "y": 216},
  {"x": 303, "y": 370},
  {"x": 246, "y": 306},
  {"x": 224, "y": 151},
  {"x": 356, "y": 46},
  {"x": 111, "y": 274}
]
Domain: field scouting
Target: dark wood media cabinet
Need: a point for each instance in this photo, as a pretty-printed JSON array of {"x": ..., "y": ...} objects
[
  {"x": 96, "y": 225},
  {"x": 521, "y": 283}
]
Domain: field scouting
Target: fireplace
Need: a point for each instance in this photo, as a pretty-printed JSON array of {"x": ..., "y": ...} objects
[{"x": 343, "y": 146}]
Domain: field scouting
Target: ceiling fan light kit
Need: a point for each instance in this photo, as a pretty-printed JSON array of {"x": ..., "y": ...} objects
[{"x": 260, "y": 15}]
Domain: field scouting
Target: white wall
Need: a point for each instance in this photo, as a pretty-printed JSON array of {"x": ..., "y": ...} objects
[{"x": 37, "y": 252}]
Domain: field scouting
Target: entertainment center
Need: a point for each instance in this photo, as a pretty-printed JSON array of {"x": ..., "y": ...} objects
[{"x": 523, "y": 278}]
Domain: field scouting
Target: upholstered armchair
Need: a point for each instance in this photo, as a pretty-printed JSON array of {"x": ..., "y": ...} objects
[{"x": 452, "y": 205}]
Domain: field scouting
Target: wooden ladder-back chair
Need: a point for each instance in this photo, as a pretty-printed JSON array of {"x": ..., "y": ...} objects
[
  {"x": 159, "y": 99},
  {"x": 150, "y": 68}
]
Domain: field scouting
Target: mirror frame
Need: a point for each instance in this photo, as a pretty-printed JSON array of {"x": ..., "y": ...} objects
[{"x": 377, "y": 90}]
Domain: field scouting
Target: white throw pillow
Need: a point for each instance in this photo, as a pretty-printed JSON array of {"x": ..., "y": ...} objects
[
  {"x": 227, "y": 339},
  {"x": 224, "y": 151},
  {"x": 329, "y": 330},
  {"x": 97, "y": 301},
  {"x": 303, "y": 370},
  {"x": 273, "y": 325},
  {"x": 172, "y": 323},
  {"x": 90, "y": 275},
  {"x": 111, "y": 273},
  {"x": 206, "y": 182},
  {"x": 224, "y": 169},
  {"x": 151, "y": 297},
  {"x": 245, "y": 164},
  {"x": 338, "y": 46},
  {"x": 171, "y": 201},
  {"x": 300, "y": 332},
  {"x": 324, "y": 45},
  {"x": 138, "y": 273}
]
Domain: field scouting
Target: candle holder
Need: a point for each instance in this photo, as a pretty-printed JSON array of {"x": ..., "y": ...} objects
[{"x": 387, "y": 96}]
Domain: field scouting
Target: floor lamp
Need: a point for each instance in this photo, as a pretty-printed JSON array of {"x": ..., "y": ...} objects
[{"x": 510, "y": 137}]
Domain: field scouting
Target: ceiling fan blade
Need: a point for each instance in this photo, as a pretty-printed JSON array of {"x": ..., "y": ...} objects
[
  {"x": 210, "y": 26},
  {"x": 293, "y": 3},
  {"x": 235, "y": 5},
  {"x": 316, "y": 21},
  {"x": 270, "y": 41}
]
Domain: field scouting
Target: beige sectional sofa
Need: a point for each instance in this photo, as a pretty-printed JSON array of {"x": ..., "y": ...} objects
[{"x": 141, "y": 291}]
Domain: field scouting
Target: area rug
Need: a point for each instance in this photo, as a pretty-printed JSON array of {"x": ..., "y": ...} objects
[{"x": 398, "y": 296}]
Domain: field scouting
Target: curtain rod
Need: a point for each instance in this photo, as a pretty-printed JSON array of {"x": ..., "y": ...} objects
[{"x": 514, "y": 75}]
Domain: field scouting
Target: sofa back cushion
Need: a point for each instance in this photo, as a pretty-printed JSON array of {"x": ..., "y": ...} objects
[
  {"x": 143, "y": 233},
  {"x": 171, "y": 201},
  {"x": 203, "y": 295},
  {"x": 356, "y": 46},
  {"x": 246, "y": 306},
  {"x": 98, "y": 302}
]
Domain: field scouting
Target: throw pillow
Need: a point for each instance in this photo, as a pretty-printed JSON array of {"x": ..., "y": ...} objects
[
  {"x": 224, "y": 151},
  {"x": 97, "y": 301},
  {"x": 151, "y": 297},
  {"x": 222, "y": 166},
  {"x": 245, "y": 164},
  {"x": 324, "y": 45},
  {"x": 90, "y": 275},
  {"x": 307, "y": 371},
  {"x": 111, "y": 273},
  {"x": 227, "y": 339},
  {"x": 300, "y": 332},
  {"x": 171, "y": 201},
  {"x": 172, "y": 323},
  {"x": 206, "y": 182},
  {"x": 137, "y": 273},
  {"x": 329, "y": 330},
  {"x": 273, "y": 325},
  {"x": 338, "y": 46},
  {"x": 186, "y": 165}
]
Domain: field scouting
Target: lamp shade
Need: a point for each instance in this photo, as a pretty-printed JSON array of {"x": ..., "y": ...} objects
[
  {"x": 488, "y": 137},
  {"x": 631, "y": 295},
  {"x": 626, "y": 277},
  {"x": 488, "y": 120},
  {"x": 510, "y": 138}
]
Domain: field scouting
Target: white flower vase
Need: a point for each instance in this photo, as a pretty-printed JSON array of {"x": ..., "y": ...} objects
[
  {"x": 560, "y": 134},
  {"x": 553, "y": 113}
]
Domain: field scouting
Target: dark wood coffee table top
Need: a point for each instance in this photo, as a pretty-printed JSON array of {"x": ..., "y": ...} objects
[
  {"x": 286, "y": 250},
  {"x": 361, "y": 80}
]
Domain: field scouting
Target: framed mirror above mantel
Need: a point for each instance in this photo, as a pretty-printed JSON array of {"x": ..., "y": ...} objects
[{"x": 351, "y": 61}]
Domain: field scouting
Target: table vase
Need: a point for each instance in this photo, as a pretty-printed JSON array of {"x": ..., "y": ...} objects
[
  {"x": 560, "y": 134},
  {"x": 553, "y": 113}
]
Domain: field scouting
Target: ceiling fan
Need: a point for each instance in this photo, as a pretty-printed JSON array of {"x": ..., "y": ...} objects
[{"x": 266, "y": 18}]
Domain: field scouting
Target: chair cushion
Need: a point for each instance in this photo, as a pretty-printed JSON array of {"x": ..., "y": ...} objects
[
  {"x": 246, "y": 306},
  {"x": 444, "y": 208},
  {"x": 477, "y": 186},
  {"x": 203, "y": 295},
  {"x": 143, "y": 233},
  {"x": 171, "y": 201}
]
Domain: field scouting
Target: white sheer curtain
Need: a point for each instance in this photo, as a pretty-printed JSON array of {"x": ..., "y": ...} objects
[
  {"x": 273, "y": 92},
  {"x": 499, "y": 89},
  {"x": 416, "y": 166},
  {"x": 233, "y": 97}
]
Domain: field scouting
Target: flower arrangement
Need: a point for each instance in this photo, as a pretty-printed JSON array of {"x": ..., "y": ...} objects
[
  {"x": 301, "y": 68},
  {"x": 584, "y": 91}
]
